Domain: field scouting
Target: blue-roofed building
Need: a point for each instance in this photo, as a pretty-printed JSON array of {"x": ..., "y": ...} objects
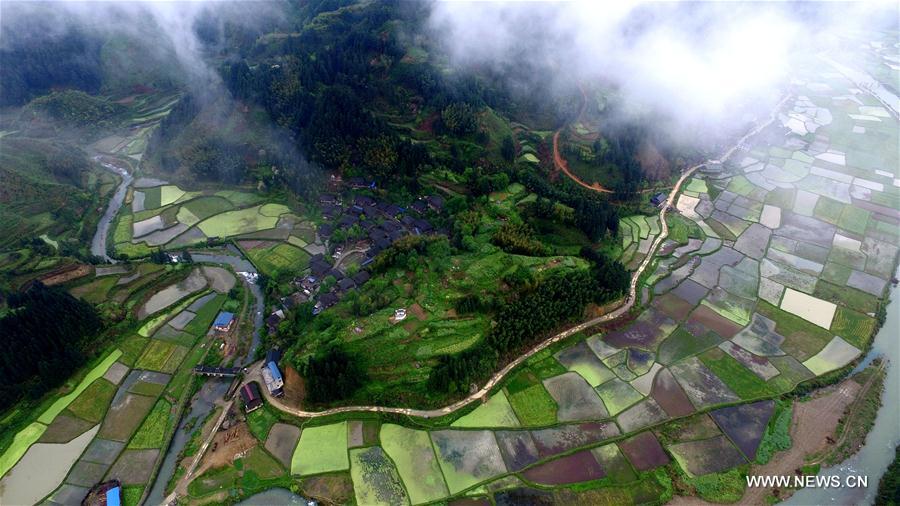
[
  {"x": 272, "y": 375},
  {"x": 223, "y": 321},
  {"x": 114, "y": 496}
]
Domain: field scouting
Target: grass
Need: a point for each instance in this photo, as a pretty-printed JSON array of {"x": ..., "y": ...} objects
[
  {"x": 803, "y": 339},
  {"x": 64, "y": 401},
  {"x": 92, "y": 403},
  {"x": 161, "y": 356},
  {"x": 279, "y": 260},
  {"x": 828, "y": 210},
  {"x": 496, "y": 412},
  {"x": 132, "y": 347},
  {"x": 243, "y": 221},
  {"x": 152, "y": 432},
  {"x": 205, "y": 316},
  {"x": 854, "y": 219},
  {"x": 847, "y": 296},
  {"x": 22, "y": 441},
  {"x": 131, "y": 495},
  {"x": 534, "y": 406},
  {"x": 681, "y": 344},
  {"x": 214, "y": 480},
  {"x": 740, "y": 185},
  {"x": 321, "y": 449},
  {"x": 856, "y": 328},
  {"x": 738, "y": 378},
  {"x": 96, "y": 291},
  {"x": 778, "y": 433},
  {"x": 152, "y": 197},
  {"x": 681, "y": 229},
  {"x": 724, "y": 487},
  {"x": 204, "y": 207},
  {"x": 548, "y": 368},
  {"x": 261, "y": 421}
]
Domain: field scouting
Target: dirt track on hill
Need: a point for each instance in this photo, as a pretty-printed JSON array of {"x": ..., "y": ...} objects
[{"x": 561, "y": 164}]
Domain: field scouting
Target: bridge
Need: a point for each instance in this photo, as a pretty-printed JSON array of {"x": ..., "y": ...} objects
[{"x": 217, "y": 372}]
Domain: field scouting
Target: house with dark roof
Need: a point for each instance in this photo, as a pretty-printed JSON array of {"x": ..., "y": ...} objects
[
  {"x": 435, "y": 202},
  {"x": 347, "y": 221},
  {"x": 361, "y": 277},
  {"x": 391, "y": 226},
  {"x": 388, "y": 210},
  {"x": 325, "y": 301},
  {"x": 336, "y": 274},
  {"x": 319, "y": 268},
  {"x": 330, "y": 211},
  {"x": 251, "y": 397},
  {"x": 327, "y": 198},
  {"x": 363, "y": 201},
  {"x": 419, "y": 206},
  {"x": 325, "y": 230},
  {"x": 346, "y": 284},
  {"x": 360, "y": 183},
  {"x": 422, "y": 227},
  {"x": 407, "y": 221},
  {"x": 658, "y": 199},
  {"x": 274, "y": 319}
]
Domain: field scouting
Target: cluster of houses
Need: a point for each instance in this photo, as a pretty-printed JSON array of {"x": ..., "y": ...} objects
[{"x": 374, "y": 224}]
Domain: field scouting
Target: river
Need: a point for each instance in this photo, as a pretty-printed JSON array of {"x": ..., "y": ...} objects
[
  {"x": 213, "y": 389},
  {"x": 878, "y": 451},
  {"x": 98, "y": 244}
]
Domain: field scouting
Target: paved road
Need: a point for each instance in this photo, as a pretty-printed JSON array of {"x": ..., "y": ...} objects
[{"x": 625, "y": 306}]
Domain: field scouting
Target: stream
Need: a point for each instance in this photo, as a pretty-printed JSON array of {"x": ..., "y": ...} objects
[
  {"x": 98, "y": 244},
  {"x": 213, "y": 389},
  {"x": 878, "y": 451}
]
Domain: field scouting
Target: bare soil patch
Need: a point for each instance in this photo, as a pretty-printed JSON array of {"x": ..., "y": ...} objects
[
  {"x": 226, "y": 446},
  {"x": 813, "y": 423}
]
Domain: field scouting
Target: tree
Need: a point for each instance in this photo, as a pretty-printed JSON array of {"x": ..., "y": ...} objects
[
  {"x": 332, "y": 375},
  {"x": 459, "y": 118},
  {"x": 508, "y": 149}
]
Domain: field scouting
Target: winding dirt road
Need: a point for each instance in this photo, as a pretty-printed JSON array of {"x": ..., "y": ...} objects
[
  {"x": 561, "y": 164},
  {"x": 626, "y": 305}
]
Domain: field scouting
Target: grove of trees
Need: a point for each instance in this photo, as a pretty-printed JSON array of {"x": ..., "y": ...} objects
[{"x": 47, "y": 335}]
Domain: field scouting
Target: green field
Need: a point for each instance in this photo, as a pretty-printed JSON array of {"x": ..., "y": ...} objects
[
  {"x": 243, "y": 221},
  {"x": 321, "y": 449},
  {"x": 279, "y": 260},
  {"x": 161, "y": 356},
  {"x": 22, "y": 441},
  {"x": 496, "y": 412},
  {"x": 64, "y": 401},
  {"x": 152, "y": 432},
  {"x": 534, "y": 406},
  {"x": 91, "y": 404},
  {"x": 738, "y": 378},
  {"x": 414, "y": 457}
]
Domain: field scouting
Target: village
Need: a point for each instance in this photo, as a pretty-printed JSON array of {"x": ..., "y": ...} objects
[{"x": 355, "y": 230}]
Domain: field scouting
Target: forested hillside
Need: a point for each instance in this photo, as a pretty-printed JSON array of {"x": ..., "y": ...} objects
[{"x": 47, "y": 335}]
